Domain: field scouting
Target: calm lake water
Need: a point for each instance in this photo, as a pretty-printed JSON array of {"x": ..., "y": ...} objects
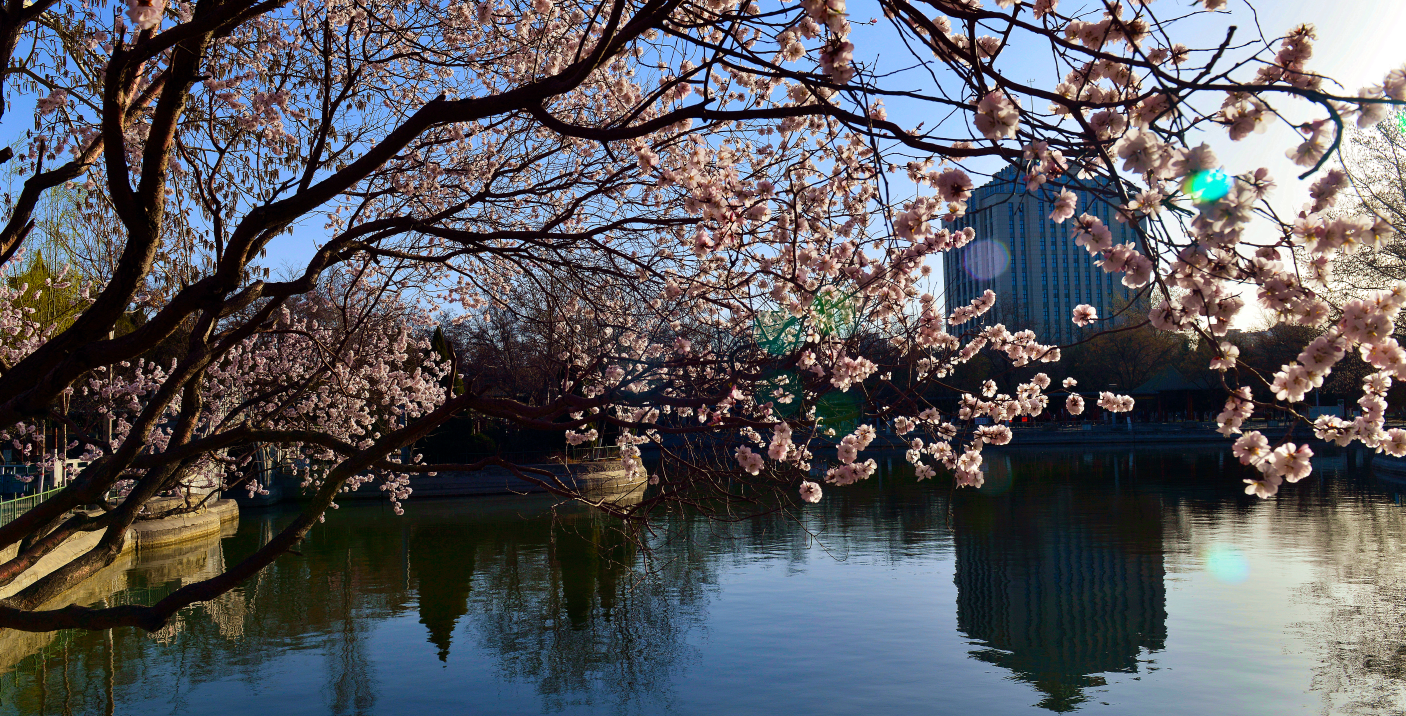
[{"x": 1080, "y": 579}]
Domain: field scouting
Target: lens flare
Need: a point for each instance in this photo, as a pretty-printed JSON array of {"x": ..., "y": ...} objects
[
  {"x": 1226, "y": 564},
  {"x": 1207, "y": 187},
  {"x": 840, "y": 412},
  {"x": 986, "y": 259},
  {"x": 777, "y": 332},
  {"x": 783, "y": 390},
  {"x": 833, "y": 313}
]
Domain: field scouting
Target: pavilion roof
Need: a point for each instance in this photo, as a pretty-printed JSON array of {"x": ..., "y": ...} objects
[{"x": 1168, "y": 380}]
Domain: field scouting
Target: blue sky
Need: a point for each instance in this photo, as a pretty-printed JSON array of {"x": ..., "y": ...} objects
[{"x": 1359, "y": 41}]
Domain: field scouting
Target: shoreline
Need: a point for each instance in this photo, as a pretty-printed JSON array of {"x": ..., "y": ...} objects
[
  {"x": 606, "y": 478},
  {"x": 219, "y": 518}
]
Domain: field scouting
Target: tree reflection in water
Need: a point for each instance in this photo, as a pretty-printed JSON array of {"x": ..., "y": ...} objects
[
  {"x": 1359, "y": 585},
  {"x": 1061, "y": 564},
  {"x": 554, "y": 592},
  {"x": 557, "y": 598}
]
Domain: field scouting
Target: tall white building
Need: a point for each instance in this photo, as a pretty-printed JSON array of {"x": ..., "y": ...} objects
[{"x": 1032, "y": 264}]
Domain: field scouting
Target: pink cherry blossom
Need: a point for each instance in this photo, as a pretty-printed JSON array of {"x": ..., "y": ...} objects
[
  {"x": 1064, "y": 206},
  {"x": 1074, "y": 404},
  {"x": 1252, "y": 448},
  {"x": 680, "y": 229},
  {"x": 997, "y": 116},
  {"x": 1084, "y": 314}
]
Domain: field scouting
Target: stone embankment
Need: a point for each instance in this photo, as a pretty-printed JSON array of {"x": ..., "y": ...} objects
[
  {"x": 1135, "y": 434},
  {"x": 604, "y": 476},
  {"x": 1036, "y": 435},
  {"x": 1391, "y": 468},
  {"x": 219, "y": 517},
  {"x": 1123, "y": 434},
  {"x": 197, "y": 555}
]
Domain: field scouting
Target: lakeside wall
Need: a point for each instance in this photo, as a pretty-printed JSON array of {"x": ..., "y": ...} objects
[
  {"x": 1391, "y": 468},
  {"x": 157, "y": 551},
  {"x": 220, "y": 517},
  {"x": 1072, "y": 434}
]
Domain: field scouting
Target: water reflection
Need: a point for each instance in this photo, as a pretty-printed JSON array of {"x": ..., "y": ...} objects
[
  {"x": 441, "y": 557},
  {"x": 1073, "y": 575},
  {"x": 72, "y": 672},
  {"x": 1060, "y": 583},
  {"x": 558, "y": 602}
]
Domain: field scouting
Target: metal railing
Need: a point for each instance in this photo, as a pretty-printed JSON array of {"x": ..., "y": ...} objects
[
  {"x": 582, "y": 453},
  {"x": 10, "y": 510},
  {"x": 575, "y": 453}
]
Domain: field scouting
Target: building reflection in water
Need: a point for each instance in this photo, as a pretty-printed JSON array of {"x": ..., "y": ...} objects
[
  {"x": 441, "y": 559},
  {"x": 1060, "y": 571},
  {"x": 1058, "y": 585}
]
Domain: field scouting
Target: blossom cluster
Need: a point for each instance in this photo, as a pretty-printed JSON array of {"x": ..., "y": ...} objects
[{"x": 706, "y": 244}]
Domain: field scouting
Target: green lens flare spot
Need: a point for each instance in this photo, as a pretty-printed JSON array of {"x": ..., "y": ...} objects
[
  {"x": 840, "y": 412},
  {"x": 783, "y": 390},
  {"x": 777, "y": 332},
  {"x": 1207, "y": 187},
  {"x": 834, "y": 313},
  {"x": 1226, "y": 564}
]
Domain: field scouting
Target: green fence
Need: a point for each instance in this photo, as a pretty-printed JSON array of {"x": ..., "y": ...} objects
[{"x": 11, "y": 509}]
